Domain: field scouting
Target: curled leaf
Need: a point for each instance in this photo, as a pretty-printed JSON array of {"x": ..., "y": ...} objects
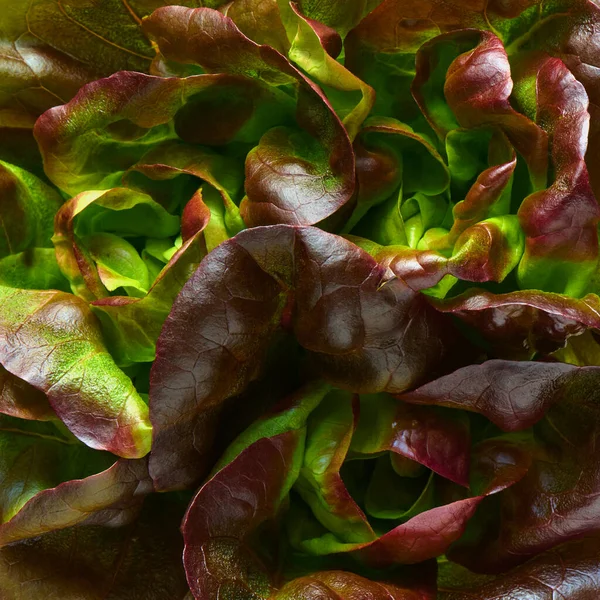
[
  {"x": 297, "y": 176},
  {"x": 331, "y": 282},
  {"x": 52, "y": 341}
]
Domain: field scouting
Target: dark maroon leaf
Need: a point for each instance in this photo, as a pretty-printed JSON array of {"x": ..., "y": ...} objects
[
  {"x": 438, "y": 440},
  {"x": 513, "y": 395},
  {"x": 361, "y": 329},
  {"x": 139, "y": 560},
  {"x": 570, "y": 571},
  {"x": 519, "y": 324},
  {"x": 227, "y": 510},
  {"x": 556, "y": 500}
]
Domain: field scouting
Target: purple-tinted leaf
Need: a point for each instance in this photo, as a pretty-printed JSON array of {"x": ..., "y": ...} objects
[
  {"x": 555, "y": 500},
  {"x": 519, "y": 324},
  {"x": 437, "y": 440},
  {"x": 513, "y": 395},
  {"x": 425, "y": 536},
  {"x": 498, "y": 463},
  {"x": 293, "y": 176},
  {"x": 88, "y": 143},
  {"x": 228, "y": 509},
  {"x": 569, "y": 571},
  {"x": 558, "y": 498},
  {"x": 52, "y": 341},
  {"x": 362, "y": 330},
  {"x": 477, "y": 88},
  {"x": 140, "y": 560},
  {"x": 560, "y": 223}
]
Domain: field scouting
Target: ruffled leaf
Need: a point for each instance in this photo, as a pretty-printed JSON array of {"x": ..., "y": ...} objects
[
  {"x": 560, "y": 223},
  {"x": 53, "y": 482},
  {"x": 53, "y": 342},
  {"x": 570, "y": 571},
  {"x": 96, "y": 262},
  {"x": 519, "y": 324},
  {"x": 90, "y": 142},
  {"x": 296, "y": 176},
  {"x": 329, "y": 281}
]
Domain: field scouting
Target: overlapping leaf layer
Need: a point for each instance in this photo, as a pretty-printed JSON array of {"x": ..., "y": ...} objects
[{"x": 324, "y": 273}]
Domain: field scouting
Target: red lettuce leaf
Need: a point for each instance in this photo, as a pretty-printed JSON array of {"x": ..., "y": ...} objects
[
  {"x": 237, "y": 512},
  {"x": 560, "y": 223},
  {"x": 52, "y": 341},
  {"x": 520, "y": 324},
  {"x": 486, "y": 251},
  {"x": 139, "y": 560},
  {"x": 569, "y": 32},
  {"x": 361, "y": 328},
  {"x": 477, "y": 87},
  {"x": 486, "y": 197},
  {"x": 513, "y": 395},
  {"x": 20, "y": 399},
  {"x": 389, "y": 155},
  {"x": 555, "y": 501},
  {"x": 228, "y": 509},
  {"x": 569, "y": 571},
  {"x": 85, "y": 148},
  {"x": 437, "y": 440},
  {"x": 293, "y": 176},
  {"x": 227, "y": 517}
]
